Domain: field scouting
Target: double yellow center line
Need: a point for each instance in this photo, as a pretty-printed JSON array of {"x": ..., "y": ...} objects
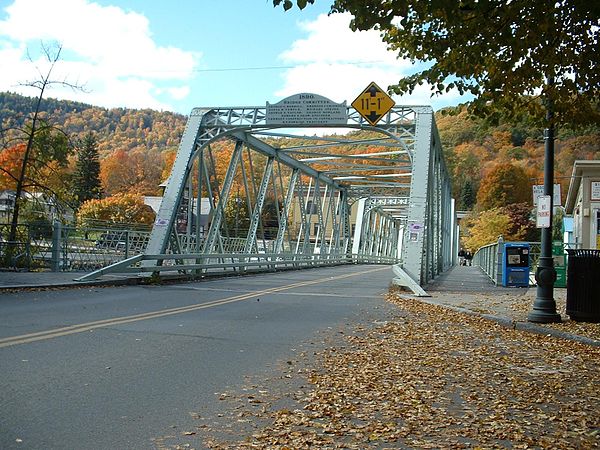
[{"x": 88, "y": 326}]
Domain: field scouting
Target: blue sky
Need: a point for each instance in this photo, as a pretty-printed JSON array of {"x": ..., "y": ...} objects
[{"x": 178, "y": 55}]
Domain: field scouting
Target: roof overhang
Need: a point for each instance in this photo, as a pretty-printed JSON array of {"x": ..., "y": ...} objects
[{"x": 580, "y": 168}]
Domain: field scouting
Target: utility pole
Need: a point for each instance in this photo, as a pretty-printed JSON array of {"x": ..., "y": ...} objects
[{"x": 544, "y": 307}]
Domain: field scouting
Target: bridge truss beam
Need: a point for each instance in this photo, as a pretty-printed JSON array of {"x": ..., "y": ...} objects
[{"x": 241, "y": 188}]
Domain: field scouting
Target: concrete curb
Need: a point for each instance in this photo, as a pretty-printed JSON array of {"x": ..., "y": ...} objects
[
  {"x": 69, "y": 284},
  {"x": 128, "y": 281},
  {"x": 531, "y": 327}
]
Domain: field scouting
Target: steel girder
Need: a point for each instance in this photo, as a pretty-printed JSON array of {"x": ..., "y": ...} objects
[
  {"x": 300, "y": 199},
  {"x": 428, "y": 236}
]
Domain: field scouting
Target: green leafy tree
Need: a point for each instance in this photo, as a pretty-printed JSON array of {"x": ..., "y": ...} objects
[
  {"x": 86, "y": 179},
  {"x": 557, "y": 226},
  {"x": 237, "y": 218},
  {"x": 465, "y": 167},
  {"x": 34, "y": 214},
  {"x": 503, "y": 52},
  {"x": 270, "y": 218},
  {"x": 468, "y": 196}
]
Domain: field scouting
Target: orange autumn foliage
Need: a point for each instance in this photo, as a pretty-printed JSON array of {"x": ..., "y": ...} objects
[
  {"x": 138, "y": 172},
  {"x": 11, "y": 161}
]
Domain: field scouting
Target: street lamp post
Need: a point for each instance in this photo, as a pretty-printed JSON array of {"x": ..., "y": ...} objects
[{"x": 544, "y": 306}]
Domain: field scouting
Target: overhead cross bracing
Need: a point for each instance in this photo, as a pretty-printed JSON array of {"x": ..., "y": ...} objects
[{"x": 251, "y": 188}]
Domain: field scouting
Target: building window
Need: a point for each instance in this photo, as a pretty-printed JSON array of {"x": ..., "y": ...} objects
[{"x": 311, "y": 208}]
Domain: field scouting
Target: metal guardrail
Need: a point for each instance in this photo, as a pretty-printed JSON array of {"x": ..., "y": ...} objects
[
  {"x": 201, "y": 264},
  {"x": 104, "y": 250},
  {"x": 15, "y": 254},
  {"x": 489, "y": 259},
  {"x": 64, "y": 248}
]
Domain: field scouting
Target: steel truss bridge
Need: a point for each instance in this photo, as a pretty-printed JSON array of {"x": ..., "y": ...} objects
[{"x": 247, "y": 194}]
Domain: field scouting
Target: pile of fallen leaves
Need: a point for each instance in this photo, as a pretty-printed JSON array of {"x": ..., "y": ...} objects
[
  {"x": 515, "y": 305},
  {"x": 433, "y": 378}
]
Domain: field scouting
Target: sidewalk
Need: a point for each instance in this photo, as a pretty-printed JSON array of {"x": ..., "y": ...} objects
[
  {"x": 14, "y": 280},
  {"x": 469, "y": 290}
]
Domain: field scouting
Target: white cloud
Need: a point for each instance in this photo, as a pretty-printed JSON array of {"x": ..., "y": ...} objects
[
  {"x": 336, "y": 81},
  {"x": 338, "y": 63},
  {"x": 179, "y": 93},
  {"x": 330, "y": 40},
  {"x": 109, "y": 50}
]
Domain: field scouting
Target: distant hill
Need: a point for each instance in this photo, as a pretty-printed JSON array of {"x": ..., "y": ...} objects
[
  {"x": 116, "y": 128},
  {"x": 472, "y": 147}
]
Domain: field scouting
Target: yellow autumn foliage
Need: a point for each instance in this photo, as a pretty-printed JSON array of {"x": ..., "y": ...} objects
[
  {"x": 485, "y": 229},
  {"x": 117, "y": 209}
]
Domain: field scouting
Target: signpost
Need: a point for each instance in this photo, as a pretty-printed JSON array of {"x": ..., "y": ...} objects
[
  {"x": 306, "y": 109},
  {"x": 543, "y": 211},
  {"x": 538, "y": 190},
  {"x": 544, "y": 306},
  {"x": 373, "y": 103}
]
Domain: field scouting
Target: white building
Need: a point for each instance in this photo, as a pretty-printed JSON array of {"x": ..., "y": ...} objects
[
  {"x": 154, "y": 203},
  {"x": 47, "y": 205},
  {"x": 7, "y": 204},
  {"x": 583, "y": 203}
]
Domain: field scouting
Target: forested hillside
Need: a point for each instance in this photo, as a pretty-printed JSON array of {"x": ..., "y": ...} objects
[
  {"x": 483, "y": 159},
  {"x": 115, "y": 128},
  {"x": 491, "y": 165}
]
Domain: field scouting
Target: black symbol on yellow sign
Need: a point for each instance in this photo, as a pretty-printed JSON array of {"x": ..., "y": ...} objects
[{"x": 373, "y": 103}]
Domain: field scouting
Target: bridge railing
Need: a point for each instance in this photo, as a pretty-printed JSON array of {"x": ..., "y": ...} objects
[
  {"x": 201, "y": 264},
  {"x": 68, "y": 248},
  {"x": 489, "y": 259}
]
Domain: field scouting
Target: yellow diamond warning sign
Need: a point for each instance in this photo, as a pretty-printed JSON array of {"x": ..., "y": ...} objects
[{"x": 373, "y": 103}]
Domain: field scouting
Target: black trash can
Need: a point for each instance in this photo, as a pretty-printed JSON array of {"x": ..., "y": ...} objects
[{"x": 583, "y": 285}]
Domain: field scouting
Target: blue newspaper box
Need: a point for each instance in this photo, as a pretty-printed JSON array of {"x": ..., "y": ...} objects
[{"x": 515, "y": 265}]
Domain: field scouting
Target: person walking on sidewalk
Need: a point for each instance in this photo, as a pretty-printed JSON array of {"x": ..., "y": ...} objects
[
  {"x": 468, "y": 258},
  {"x": 461, "y": 257}
]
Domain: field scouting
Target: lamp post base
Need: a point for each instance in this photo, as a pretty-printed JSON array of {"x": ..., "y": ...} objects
[
  {"x": 544, "y": 306},
  {"x": 546, "y": 315}
]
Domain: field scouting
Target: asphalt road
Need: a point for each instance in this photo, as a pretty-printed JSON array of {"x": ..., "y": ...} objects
[{"x": 118, "y": 368}]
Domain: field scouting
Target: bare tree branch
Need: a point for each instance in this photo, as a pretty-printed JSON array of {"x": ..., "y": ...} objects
[
  {"x": 43, "y": 81},
  {"x": 30, "y": 162}
]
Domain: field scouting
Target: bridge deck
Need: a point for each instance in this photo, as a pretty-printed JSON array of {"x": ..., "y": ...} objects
[
  {"x": 463, "y": 279},
  {"x": 470, "y": 289}
]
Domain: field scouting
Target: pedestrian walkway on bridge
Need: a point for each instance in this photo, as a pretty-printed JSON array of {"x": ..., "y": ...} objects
[{"x": 463, "y": 279}]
